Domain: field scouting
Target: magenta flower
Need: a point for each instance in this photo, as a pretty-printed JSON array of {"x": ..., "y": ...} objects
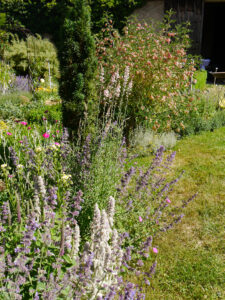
[
  {"x": 21, "y": 142},
  {"x": 140, "y": 219},
  {"x": 57, "y": 131},
  {"x": 168, "y": 200},
  {"x": 23, "y": 123},
  {"x": 8, "y": 133},
  {"x": 29, "y": 128},
  {"x": 155, "y": 250},
  {"x": 53, "y": 135},
  {"x": 57, "y": 144},
  {"x": 46, "y": 135}
]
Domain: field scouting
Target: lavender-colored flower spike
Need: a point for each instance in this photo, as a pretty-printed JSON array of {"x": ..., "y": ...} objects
[{"x": 37, "y": 209}]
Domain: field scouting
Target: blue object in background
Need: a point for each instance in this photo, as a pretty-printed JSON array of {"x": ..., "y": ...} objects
[{"x": 205, "y": 63}]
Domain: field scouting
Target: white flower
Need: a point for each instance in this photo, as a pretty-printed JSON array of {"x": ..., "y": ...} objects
[
  {"x": 41, "y": 186},
  {"x": 53, "y": 147},
  {"x": 4, "y": 166},
  {"x": 111, "y": 210},
  {"x": 118, "y": 89},
  {"x": 20, "y": 167},
  {"x": 76, "y": 241},
  {"x": 42, "y": 80},
  {"x": 126, "y": 76},
  {"x": 38, "y": 149},
  {"x": 66, "y": 178},
  {"x": 106, "y": 93}
]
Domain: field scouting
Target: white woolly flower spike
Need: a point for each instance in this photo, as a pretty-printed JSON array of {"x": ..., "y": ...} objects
[
  {"x": 41, "y": 186},
  {"x": 111, "y": 210},
  {"x": 105, "y": 227},
  {"x": 76, "y": 241}
]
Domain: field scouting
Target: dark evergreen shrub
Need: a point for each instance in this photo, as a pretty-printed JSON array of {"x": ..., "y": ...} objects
[{"x": 78, "y": 65}]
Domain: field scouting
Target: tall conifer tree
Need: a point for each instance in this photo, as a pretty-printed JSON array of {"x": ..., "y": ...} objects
[{"x": 78, "y": 65}]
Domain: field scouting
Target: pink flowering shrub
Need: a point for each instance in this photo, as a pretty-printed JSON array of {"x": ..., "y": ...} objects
[{"x": 159, "y": 68}]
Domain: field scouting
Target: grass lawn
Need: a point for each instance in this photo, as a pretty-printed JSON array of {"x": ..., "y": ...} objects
[{"x": 191, "y": 256}]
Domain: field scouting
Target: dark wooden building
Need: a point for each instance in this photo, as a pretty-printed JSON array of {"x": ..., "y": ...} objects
[{"x": 207, "y": 18}]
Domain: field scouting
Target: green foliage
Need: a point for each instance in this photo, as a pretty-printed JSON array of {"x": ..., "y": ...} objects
[
  {"x": 6, "y": 74},
  {"x": 204, "y": 112},
  {"x": 78, "y": 67},
  {"x": 33, "y": 16},
  {"x": 156, "y": 58},
  {"x": 145, "y": 141},
  {"x": 31, "y": 56},
  {"x": 37, "y": 113},
  {"x": 18, "y": 106},
  {"x": 200, "y": 77},
  {"x": 117, "y": 10}
]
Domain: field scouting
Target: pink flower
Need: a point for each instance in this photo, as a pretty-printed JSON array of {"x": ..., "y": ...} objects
[
  {"x": 57, "y": 144},
  {"x": 53, "y": 135},
  {"x": 155, "y": 250},
  {"x": 140, "y": 219},
  {"x": 57, "y": 131},
  {"x": 21, "y": 142},
  {"x": 29, "y": 128},
  {"x": 46, "y": 135},
  {"x": 23, "y": 123},
  {"x": 168, "y": 200},
  {"x": 8, "y": 133}
]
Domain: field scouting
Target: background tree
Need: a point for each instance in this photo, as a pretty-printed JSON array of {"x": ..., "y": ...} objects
[{"x": 78, "y": 64}]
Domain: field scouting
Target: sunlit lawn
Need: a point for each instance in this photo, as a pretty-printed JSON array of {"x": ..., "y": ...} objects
[{"x": 191, "y": 256}]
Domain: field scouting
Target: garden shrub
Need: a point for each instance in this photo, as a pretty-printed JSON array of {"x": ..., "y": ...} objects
[
  {"x": 159, "y": 68},
  {"x": 18, "y": 106},
  {"x": 78, "y": 67},
  {"x": 31, "y": 57},
  {"x": 145, "y": 141},
  {"x": 204, "y": 111}
]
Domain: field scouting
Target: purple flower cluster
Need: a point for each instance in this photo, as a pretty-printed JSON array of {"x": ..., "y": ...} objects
[{"x": 21, "y": 84}]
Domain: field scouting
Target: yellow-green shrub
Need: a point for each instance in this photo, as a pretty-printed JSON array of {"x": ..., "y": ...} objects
[{"x": 34, "y": 53}]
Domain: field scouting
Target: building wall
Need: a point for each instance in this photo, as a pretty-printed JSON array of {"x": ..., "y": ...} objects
[{"x": 153, "y": 10}]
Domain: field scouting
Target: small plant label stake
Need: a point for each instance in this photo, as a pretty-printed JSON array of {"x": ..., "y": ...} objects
[
  {"x": 215, "y": 76},
  {"x": 49, "y": 74}
]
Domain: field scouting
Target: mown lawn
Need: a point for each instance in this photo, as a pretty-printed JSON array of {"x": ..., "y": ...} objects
[{"x": 191, "y": 255}]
